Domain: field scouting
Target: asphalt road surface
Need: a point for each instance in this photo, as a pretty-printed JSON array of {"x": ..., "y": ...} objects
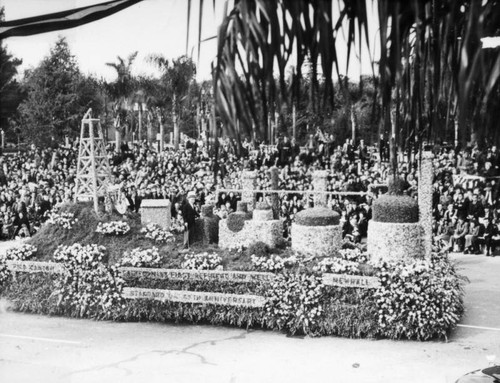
[{"x": 49, "y": 349}]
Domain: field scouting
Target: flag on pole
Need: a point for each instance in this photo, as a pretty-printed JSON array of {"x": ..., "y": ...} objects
[{"x": 62, "y": 20}]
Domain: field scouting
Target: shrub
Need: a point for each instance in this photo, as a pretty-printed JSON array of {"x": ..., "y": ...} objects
[
  {"x": 260, "y": 249},
  {"x": 396, "y": 209},
  {"x": 396, "y": 186},
  {"x": 317, "y": 216},
  {"x": 236, "y": 221}
]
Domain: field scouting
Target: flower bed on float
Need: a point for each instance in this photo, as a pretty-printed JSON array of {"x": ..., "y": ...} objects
[
  {"x": 113, "y": 228},
  {"x": 347, "y": 295}
]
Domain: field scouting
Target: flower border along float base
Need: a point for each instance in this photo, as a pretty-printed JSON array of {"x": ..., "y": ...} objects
[{"x": 421, "y": 300}]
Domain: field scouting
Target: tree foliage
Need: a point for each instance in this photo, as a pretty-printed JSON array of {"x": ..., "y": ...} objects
[
  {"x": 432, "y": 67},
  {"x": 10, "y": 92},
  {"x": 57, "y": 96}
]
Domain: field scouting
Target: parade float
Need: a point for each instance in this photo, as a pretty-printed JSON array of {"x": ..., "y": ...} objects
[{"x": 87, "y": 261}]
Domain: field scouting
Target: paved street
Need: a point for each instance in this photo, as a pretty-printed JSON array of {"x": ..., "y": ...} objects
[{"x": 44, "y": 349}]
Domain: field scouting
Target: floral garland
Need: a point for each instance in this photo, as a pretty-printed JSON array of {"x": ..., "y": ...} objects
[
  {"x": 294, "y": 303},
  {"x": 419, "y": 300},
  {"x": 113, "y": 228},
  {"x": 88, "y": 286},
  {"x": 142, "y": 258},
  {"x": 157, "y": 233},
  {"x": 272, "y": 263},
  {"x": 65, "y": 220},
  {"x": 202, "y": 261},
  {"x": 20, "y": 253}
]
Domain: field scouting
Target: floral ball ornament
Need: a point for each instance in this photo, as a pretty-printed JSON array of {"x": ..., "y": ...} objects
[
  {"x": 113, "y": 228},
  {"x": 21, "y": 253},
  {"x": 89, "y": 287},
  {"x": 142, "y": 258},
  {"x": 202, "y": 261}
]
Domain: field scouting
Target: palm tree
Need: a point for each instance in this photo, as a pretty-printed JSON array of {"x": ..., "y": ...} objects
[
  {"x": 176, "y": 78},
  {"x": 432, "y": 68},
  {"x": 121, "y": 92},
  {"x": 153, "y": 96}
]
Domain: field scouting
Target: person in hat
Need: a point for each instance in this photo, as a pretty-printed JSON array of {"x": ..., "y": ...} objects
[{"x": 189, "y": 215}]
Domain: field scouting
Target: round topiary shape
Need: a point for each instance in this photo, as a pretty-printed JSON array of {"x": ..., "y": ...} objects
[
  {"x": 262, "y": 206},
  {"x": 395, "y": 209},
  {"x": 242, "y": 207},
  {"x": 318, "y": 216},
  {"x": 207, "y": 210},
  {"x": 236, "y": 221},
  {"x": 396, "y": 186}
]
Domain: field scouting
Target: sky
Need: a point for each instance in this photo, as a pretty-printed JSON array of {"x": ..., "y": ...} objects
[{"x": 149, "y": 27}]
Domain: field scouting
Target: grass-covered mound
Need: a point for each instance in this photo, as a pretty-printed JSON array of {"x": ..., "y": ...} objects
[{"x": 49, "y": 237}]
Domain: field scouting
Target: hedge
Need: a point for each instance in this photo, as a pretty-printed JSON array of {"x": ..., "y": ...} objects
[
  {"x": 318, "y": 216},
  {"x": 236, "y": 221},
  {"x": 395, "y": 208}
]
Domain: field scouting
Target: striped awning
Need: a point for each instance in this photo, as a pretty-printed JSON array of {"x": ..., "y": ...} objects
[{"x": 62, "y": 20}]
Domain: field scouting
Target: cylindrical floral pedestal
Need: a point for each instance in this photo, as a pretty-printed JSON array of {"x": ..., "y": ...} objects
[
  {"x": 317, "y": 232},
  {"x": 392, "y": 241},
  {"x": 395, "y": 233},
  {"x": 239, "y": 231}
]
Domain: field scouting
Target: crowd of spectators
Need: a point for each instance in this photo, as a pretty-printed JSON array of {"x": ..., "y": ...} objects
[
  {"x": 467, "y": 210},
  {"x": 466, "y": 203}
]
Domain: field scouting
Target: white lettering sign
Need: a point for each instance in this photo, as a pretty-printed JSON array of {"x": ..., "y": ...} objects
[
  {"x": 194, "y": 297},
  {"x": 190, "y": 275},
  {"x": 35, "y": 267},
  {"x": 344, "y": 280}
]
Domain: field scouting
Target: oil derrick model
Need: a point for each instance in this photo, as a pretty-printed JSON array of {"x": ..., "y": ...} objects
[{"x": 93, "y": 172}]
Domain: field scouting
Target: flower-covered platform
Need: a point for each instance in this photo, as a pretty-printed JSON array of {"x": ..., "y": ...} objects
[{"x": 83, "y": 273}]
